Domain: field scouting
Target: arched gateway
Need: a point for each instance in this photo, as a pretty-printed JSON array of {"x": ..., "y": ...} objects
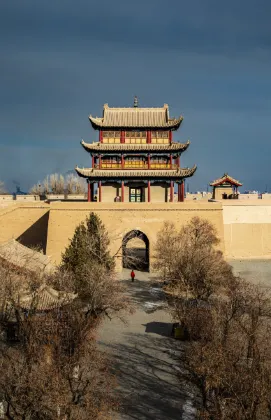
[{"x": 135, "y": 251}]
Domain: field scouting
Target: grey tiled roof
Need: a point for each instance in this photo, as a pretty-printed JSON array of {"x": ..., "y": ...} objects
[
  {"x": 45, "y": 298},
  {"x": 139, "y": 173},
  {"x": 21, "y": 256},
  {"x": 226, "y": 178},
  {"x": 135, "y": 117},
  {"x": 124, "y": 147}
]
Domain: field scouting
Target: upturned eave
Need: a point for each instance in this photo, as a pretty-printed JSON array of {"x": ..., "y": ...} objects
[
  {"x": 171, "y": 124},
  {"x": 226, "y": 179},
  {"x": 92, "y": 173},
  {"x": 124, "y": 147}
]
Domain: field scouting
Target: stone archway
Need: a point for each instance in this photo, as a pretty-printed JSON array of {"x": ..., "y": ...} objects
[{"x": 136, "y": 251}]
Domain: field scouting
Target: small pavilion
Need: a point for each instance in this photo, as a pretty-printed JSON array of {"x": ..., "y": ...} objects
[{"x": 225, "y": 187}]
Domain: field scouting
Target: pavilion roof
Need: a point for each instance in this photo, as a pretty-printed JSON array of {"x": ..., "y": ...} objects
[
  {"x": 25, "y": 258},
  {"x": 45, "y": 298},
  {"x": 125, "y": 147},
  {"x": 225, "y": 179},
  {"x": 136, "y": 173},
  {"x": 135, "y": 117}
]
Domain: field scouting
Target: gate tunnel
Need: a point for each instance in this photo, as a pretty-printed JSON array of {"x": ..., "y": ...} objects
[{"x": 135, "y": 251}]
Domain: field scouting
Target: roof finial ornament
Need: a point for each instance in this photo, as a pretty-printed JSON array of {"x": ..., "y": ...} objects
[{"x": 135, "y": 102}]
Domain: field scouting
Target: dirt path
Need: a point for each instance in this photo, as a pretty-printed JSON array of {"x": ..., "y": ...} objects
[{"x": 146, "y": 358}]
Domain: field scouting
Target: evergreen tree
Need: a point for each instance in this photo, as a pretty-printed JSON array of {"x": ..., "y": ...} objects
[{"x": 88, "y": 254}]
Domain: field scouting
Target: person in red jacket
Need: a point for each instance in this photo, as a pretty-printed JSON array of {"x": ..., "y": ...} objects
[{"x": 132, "y": 275}]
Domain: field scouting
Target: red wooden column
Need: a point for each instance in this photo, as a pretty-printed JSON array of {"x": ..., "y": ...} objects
[
  {"x": 122, "y": 136},
  {"x": 89, "y": 191},
  {"x": 178, "y": 161},
  {"x": 100, "y": 191},
  {"x": 122, "y": 191},
  {"x": 149, "y": 162},
  {"x": 182, "y": 191},
  {"x": 170, "y": 161},
  {"x": 100, "y": 136},
  {"x": 170, "y": 137},
  {"x": 149, "y": 191},
  {"x": 148, "y": 136},
  {"x": 171, "y": 191}
]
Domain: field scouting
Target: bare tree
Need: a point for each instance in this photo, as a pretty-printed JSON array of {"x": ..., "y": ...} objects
[
  {"x": 189, "y": 261},
  {"x": 54, "y": 370},
  {"x": 46, "y": 185},
  {"x": 80, "y": 186},
  {"x": 70, "y": 184},
  {"x": 231, "y": 359},
  {"x": 74, "y": 184},
  {"x": 226, "y": 319},
  {"x": 36, "y": 189},
  {"x": 57, "y": 183},
  {"x": 2, "y": 188}
]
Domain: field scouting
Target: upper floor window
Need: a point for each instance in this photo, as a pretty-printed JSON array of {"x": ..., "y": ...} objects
[
  {"x": 160, "y": 134},
  {"x": 111, "y": 134},
  {"x": 136, "y": 134}
]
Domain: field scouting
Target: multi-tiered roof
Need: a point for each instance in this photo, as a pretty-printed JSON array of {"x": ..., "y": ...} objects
[
  {"x": 135, "y": 117},
  {"x": 135, "y": 144}
]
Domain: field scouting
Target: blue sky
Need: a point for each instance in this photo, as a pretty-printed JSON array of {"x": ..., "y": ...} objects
[{"x": 61, "y": 60}]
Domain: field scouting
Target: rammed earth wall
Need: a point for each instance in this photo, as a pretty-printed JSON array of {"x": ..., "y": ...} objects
[
  {"x": 244, "y": 228},
  {"x": 247, "y": 228},
  {"x": 121, "y": 218}
]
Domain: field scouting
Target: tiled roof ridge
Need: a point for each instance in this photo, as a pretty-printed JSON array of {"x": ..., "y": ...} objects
[
  {"x": 21, "y": 256},
  {"x": 130, "y": 173},
  {"x": 128, "y": 146},
  {"x": 136, "y": 117},
  {"x": 223, "y": 178},
  {"x": 46, "y": 298},
  {"x": 131, "y": 108}
]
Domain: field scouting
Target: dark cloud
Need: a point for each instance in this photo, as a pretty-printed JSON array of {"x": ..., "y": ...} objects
[
  {"x": 196, "y": 25},
  {"x": 61, "y": 60}
]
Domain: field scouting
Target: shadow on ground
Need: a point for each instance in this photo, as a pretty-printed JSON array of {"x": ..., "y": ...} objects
[
  {"x": 161, "y": 328},
  {"x": 146, "y": 295},
  {"x": 148, "y": 372}
]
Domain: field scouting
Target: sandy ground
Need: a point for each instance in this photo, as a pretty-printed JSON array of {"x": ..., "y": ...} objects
[
  {"x": 256, "y": 271},
  {"x": 146, "y": 359},
  {"x": 5, "y": 204}
]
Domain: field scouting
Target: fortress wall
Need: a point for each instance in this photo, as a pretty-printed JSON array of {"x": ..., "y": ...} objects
[
  {"x": 121, "y": 218},
  {"x": 246, "y": 232},
  {"x": 16, "y": 220},
  {"x": 247, "y": 229},
  {"x": 6, "y": 198},
  {"x": 109, "y": 193},
  {"x": 158, "y": 193}
]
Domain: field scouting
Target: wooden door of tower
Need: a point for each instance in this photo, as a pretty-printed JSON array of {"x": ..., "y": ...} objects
[{"x": 136, "y": 195}]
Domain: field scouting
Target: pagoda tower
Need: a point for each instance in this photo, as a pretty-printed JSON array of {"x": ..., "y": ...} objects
[{"x": 135, "y": 159}]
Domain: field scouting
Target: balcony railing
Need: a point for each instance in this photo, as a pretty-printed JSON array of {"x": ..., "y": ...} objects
[
  {"x": 136, "y": 165},
  {"x": 134, "y": 140}
]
